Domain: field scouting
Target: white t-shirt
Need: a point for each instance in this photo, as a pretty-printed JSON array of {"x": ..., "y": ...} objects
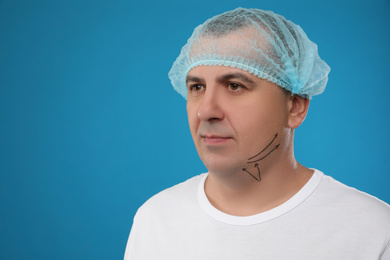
[{"x": 324, "y": 220}]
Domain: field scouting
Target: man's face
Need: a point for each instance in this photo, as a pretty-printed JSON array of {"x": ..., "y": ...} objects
[{"x": 233, "y": 116}]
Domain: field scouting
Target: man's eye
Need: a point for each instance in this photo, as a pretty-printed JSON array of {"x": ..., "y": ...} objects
[
  {"x": 196, "y": 88},
  {"x": 234, "y": 86}
]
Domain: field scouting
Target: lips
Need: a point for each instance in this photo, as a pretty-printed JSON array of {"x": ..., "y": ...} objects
[{"x": 215, "y": 139}]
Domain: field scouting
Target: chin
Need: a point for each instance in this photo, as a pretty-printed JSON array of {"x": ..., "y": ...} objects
[{"x": 223, "y": 167}]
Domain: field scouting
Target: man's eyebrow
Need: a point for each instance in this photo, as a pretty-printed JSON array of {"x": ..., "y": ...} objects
[
  {"x": 193, "y": 79},
  {"x": 235, "y": 75},
  {"x": 223, "y": 78}
]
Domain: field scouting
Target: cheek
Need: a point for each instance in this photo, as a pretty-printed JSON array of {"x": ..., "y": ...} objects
[
  {"x": 259, "y": 123},
  {"x": 252, "y": 127},
  {"x": 253, "y": 117},
  {"x": 192, "y": 119}
]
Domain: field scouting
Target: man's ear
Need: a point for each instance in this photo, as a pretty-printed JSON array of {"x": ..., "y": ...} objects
[{"x": 298, "y": 107}]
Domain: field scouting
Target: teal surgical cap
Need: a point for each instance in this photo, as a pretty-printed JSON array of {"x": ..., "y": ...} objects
[{"x": 260, "y": 42}]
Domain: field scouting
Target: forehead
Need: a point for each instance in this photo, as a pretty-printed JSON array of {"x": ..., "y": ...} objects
[
  {"x": 208, "y": 74},
  {"x": 215, "y": 71}
]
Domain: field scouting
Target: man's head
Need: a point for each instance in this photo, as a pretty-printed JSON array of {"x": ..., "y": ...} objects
[{"x": 247, "y": 76}]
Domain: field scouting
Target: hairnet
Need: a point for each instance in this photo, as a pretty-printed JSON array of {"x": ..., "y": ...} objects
[{"x": 260, "y": 42}]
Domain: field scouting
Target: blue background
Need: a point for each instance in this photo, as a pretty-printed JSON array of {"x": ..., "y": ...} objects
[{"x": 90, "y": 127}]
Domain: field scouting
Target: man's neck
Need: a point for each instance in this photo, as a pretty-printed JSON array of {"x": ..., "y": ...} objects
[{"x": 242, "y": 195}]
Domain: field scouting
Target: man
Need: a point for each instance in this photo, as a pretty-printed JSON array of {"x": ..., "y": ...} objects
[{"x": 248, "y": 76}]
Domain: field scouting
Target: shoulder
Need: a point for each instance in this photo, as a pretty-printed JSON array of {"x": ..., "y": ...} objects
[
  {"x": 354, "y": 202},
  {"x": 180, "y": 196}
]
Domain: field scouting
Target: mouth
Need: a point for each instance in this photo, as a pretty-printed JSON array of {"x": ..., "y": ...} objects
[{"x": 214, "y": 139}]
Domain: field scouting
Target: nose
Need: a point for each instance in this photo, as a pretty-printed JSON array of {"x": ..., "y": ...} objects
[{"x": 210, "y": 108}]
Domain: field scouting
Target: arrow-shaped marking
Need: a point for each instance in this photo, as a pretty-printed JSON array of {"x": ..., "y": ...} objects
[
  {"x": 276, "y": 147},
  {"x": 258, "y": 171},
  {"x": 276, "y": 135}
]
